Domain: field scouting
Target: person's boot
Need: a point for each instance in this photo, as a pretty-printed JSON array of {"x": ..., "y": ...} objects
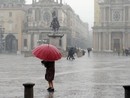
[{"x": 51, "y": 90}]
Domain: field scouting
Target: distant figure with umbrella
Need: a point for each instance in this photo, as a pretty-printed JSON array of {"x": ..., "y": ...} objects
[
  {"x": 89, "y": 50},
  {"x": 48, "y": 54},
  {"x": 71, "y": 53}
]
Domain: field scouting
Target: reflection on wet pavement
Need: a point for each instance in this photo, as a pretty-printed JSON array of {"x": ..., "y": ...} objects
[{"x": 49, "y": 95}]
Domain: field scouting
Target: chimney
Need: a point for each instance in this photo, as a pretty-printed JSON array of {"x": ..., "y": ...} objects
[
  {"x": 33, "y": 1},
  {"x": 60, "y": 1},
  {"x": 57, "y": 1}
]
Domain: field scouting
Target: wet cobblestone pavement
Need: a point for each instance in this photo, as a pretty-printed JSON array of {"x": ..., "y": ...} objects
[{"x": 97, "y": 76}]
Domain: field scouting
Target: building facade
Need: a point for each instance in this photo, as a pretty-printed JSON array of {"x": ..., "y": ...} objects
[
  {"x": 12, "y": 16},
  {"x": 111, "y": 31},
  {"x": 39, "y": 18},
  {"x": 28, "y": 25}
]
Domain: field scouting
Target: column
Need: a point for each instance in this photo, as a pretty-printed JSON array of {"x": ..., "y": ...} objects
[
  {"x": 99, "y": 41},
  {"x": 109, "y": 40},
  {"x": 35, "y": 39},
  {"x": 32, "y": 40},
  {"x": 126, "y": 39},
  {"x": 94, "y": 40},
  {"x": 29, "y": 41},
  {"x": 123, "y": 39}
]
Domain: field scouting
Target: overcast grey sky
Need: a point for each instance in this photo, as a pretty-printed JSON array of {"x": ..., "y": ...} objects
[{"x": 83, "y": 8}]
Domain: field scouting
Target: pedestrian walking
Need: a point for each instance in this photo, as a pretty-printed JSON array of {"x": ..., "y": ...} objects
[
  {"x": 89, "y": 50},
  {"x": 71, "y": 53},
  {"x": 50, "y": 73},
  {"x": 83, "y": 52}
]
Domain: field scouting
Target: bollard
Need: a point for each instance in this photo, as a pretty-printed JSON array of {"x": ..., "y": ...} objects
[
  {"x": 28, "y": 90},
  {"x": 127, "y": 91}
]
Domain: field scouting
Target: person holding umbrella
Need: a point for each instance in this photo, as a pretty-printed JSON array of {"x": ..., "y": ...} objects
[
  {"x": 50, "y": 73},
  {"x": 48, "y": 54},
  {"x": 89, "y": 50}
]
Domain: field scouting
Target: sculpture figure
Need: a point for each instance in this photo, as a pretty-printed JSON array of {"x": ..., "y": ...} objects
[{"x": 55, "y": 23}]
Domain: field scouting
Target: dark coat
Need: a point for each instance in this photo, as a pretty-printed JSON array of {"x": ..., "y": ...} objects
[{"x": 50, "y": 70}]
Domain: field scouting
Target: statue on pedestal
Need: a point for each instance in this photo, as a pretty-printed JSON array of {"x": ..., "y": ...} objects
[
  {"x": 55, "y": 23},
  {"x": 55, "y": 38}
]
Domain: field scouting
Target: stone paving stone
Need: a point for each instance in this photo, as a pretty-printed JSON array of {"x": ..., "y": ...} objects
[{"x": 97, "y": 76}]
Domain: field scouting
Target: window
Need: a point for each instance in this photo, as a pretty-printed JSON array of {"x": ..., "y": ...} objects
[
  {"x": 60, "y": 42},
  {"x": 46, "y": 17},
  {"x": 10, "y": 14},
  {"x": 116, "y": 15},
  {"x": 25, "y": 42},
  {"x": 29, "y": 11}
]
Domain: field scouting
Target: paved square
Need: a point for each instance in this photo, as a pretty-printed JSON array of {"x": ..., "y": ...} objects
[{"x": 97, "y": 76}]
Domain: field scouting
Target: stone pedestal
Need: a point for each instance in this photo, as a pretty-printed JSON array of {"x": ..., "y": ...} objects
[{"x": 56, "y": 40}]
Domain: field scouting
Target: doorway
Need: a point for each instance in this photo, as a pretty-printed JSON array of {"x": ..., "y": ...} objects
[
  {"x": 116, "y": 44},
  {"x": 11, "y": 43}
]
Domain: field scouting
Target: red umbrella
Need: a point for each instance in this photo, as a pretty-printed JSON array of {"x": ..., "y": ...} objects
[{"x": 47, "y": 52}]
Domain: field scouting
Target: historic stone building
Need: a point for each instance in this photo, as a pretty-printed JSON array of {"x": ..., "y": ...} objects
[
  {"x": 39, "y": 18},
  {"x": 28, "y": 25},
  {"x": 111, "y": 31},
  {"x": 11, "y": 25}
]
